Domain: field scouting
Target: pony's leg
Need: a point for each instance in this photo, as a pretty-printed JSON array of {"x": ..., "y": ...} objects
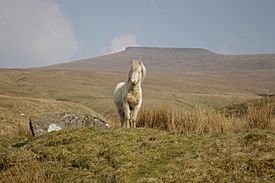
[
  {"x": 131, "y": 118},
  {"x": 122, "y": 120},
  {"x": 126, "y": 110},
  {"x": 134, "y": 116}
]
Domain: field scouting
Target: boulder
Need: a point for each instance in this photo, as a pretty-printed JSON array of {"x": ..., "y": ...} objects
[{"x": 59, "y": 121}]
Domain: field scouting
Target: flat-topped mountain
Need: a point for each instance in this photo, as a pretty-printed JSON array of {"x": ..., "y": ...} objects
[{"x": 172, "y": 60}]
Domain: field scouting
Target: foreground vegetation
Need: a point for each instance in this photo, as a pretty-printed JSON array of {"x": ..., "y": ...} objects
[
  {"x": 234, "y": 144},
  {"x": 139, "y": 155}
]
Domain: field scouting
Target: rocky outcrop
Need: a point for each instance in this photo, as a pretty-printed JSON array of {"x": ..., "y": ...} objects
[{"x": 59, "y": 121}]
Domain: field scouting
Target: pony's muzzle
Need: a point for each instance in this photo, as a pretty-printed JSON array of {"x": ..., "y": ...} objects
[{"x": 134, "y": 82}]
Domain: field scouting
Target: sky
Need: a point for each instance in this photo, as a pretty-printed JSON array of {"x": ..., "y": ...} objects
[{"x": 43, "y": 32}]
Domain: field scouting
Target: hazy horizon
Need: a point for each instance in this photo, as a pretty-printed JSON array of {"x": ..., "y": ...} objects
[{"x": 38, "y": 33}]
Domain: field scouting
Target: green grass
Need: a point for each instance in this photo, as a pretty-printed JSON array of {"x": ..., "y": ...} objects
[{"x": 141, "y": 155}]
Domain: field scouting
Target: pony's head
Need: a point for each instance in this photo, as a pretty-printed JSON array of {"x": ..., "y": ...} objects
[{"x": 137, "y": 72}]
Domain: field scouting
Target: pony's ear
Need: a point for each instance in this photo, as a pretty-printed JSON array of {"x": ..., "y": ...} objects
[{"x": 143, "y": 70}]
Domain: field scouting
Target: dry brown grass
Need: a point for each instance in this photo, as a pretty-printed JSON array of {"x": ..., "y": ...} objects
[
  {"x": 259, "y": 115},
  {"x": 160, "y": 117},
  {"x": 210, "y": 121},
  {"x": 14, "y": 127},
  {"x": 24, "y": 169},
  {"x": 23, "y": 129}
]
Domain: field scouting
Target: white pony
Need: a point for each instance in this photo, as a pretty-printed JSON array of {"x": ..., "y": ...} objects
[{"x": 128, "y": 95}]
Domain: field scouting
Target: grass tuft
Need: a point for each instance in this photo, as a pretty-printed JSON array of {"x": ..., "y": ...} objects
[
  {"x": 259, "y": 115},
  {"x": 206, "y": 121},
  {"x": 24, "y": 168}
]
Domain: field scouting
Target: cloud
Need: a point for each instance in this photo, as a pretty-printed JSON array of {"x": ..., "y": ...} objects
[
  {"x": 121, "y": 42},
  {"x": 34, "y": 33}
]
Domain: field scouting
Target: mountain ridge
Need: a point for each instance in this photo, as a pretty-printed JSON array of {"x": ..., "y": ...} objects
[{"x": 159, "y": 59}]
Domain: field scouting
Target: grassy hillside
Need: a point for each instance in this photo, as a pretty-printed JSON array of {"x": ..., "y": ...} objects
[
  {"x": 15, "y": 112},
  {"x": 139, "y": 155},
  {"x": 95, "y": 89}
]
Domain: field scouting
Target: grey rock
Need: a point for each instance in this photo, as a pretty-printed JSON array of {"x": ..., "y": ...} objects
[{"x": 59, "y": 121}]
